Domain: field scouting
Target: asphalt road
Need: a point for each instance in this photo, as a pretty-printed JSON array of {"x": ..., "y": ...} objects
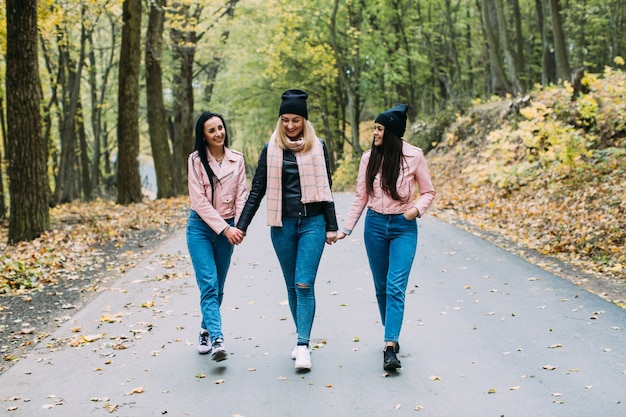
[{"x": 485, "y": 334}]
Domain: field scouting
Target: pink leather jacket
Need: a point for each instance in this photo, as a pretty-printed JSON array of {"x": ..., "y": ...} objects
[
  {"x": 414, "y": 179},
  {"x": 230, "y": 191}
]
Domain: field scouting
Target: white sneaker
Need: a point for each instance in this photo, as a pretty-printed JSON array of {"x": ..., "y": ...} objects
[
  {"x": 303, "y": 357},
  {"x": 204, "y": 344}
]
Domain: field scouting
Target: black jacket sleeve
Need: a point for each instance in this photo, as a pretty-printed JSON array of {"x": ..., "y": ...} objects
[
  {"x": 257, "y": 192},
  {"x": 329, "y": 212}
]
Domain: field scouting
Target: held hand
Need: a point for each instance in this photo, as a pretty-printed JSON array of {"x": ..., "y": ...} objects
[
  {"x": 234, "y": 235},
  {"x": 331, "y": 237},
  {"x": 340, "y": 235}
]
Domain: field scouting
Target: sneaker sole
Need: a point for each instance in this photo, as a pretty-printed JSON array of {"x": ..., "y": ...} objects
[
  {"x": 392, "y": 366},
  {"x": 219, "y": 356}
]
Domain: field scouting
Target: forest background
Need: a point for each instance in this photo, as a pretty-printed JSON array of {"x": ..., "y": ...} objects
[{"x": 520, "y": 106}]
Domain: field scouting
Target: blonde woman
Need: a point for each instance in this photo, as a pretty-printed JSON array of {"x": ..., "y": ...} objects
[{"x": 293, "y": 172}]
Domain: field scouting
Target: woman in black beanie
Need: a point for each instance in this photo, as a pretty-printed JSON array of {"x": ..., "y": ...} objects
[
  {"x": 391, "y": 173},
  {"x": 293, "y": 172}
]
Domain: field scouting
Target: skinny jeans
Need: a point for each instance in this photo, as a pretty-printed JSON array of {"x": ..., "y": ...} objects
[
  {"x": 210, "y": 255},
  {"x": 299, "y": 244},
  {"x": 390, "y": 242}
]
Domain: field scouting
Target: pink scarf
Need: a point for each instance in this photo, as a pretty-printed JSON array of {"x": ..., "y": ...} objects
[{"x": 313, "y": 177}]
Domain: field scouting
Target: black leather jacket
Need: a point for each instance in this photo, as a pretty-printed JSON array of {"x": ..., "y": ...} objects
[{"x": 292, "y": 194}]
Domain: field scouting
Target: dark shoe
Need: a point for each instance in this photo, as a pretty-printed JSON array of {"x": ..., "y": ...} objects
[{"x": 390, "y": 360}]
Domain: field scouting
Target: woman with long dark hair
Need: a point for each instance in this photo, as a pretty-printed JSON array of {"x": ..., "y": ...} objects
[
  {"x": 394, "y": 184},
  {"x": 217, "y": 192}
]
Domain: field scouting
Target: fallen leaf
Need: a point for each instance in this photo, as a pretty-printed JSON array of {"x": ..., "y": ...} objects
[
  {"x": 92, "y": 337},
  {"x": 549, "y": 367},
  {"x": 138, "y": 390}
]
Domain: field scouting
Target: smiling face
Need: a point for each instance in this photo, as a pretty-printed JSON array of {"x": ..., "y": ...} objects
[
  {"x": 379, "y": 132},
  {"x": 293, "y": 124},
  {"x": 214, "y": 133}
]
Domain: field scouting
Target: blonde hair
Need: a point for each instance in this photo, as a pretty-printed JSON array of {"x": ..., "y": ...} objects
[{"x": 308, "y": 134}]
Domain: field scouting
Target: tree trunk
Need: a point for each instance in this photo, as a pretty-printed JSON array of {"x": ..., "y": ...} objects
[
  {"x": 505, "y": 44},
  {"x": 128, "y": 178},
  {"x": 98, "y": 99},
  {"x": 85, "y": 172},
  {"x": 519, "y": 41},
  {"x": 3, "y": 130},
  {"x": 350, "y": 86},
  {"x": 563, "y": 70},
  {"x": 499, "y": 83},
  {"x": 157, "y": 127},
  {"x": 183, "y": 118},
  {"x": 69, "y": 80},
  {"x": 457, "y": 78},
  {"x": 27, "y": 150},
  {"x": 212, "y": 68}
]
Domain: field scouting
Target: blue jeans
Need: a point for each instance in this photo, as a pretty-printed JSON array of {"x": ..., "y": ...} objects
[
  {"x": 390, "y": 241},
  {"x": 210, "y": 255},
  {"x": 299, "y": 245}
]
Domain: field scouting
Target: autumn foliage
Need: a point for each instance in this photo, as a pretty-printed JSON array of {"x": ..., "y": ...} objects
[
  {"x": 546, "y": 171},
  {"x": 81, "y": 238}
]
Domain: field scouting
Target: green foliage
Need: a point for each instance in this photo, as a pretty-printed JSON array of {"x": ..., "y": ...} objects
[
  {"x": 344, "y": 178},
  {"x": 428, "y": 133},
  {"x": 546, "y": 171},
  {"x": 554, "y": 133},
  {"x": 15, "y": 274}
]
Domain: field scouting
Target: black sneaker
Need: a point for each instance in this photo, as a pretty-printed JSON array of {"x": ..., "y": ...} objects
[
  {"x": 218, "y": 352},
  {"x": 390, "y": 360},
  {"x": 204, "y": 343}
]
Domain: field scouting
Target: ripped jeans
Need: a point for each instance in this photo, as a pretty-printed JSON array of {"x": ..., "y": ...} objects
[{"x": 299, "y": 244}]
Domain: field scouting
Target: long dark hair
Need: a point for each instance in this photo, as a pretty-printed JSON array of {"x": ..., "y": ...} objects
[
  {"x": 389, "y": 154},
  {"x": 200, "y": 146}
]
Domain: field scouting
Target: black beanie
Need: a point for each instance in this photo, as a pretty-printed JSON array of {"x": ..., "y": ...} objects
[
  {"x": 394, "y": 119},
  {"x": 294, "y": 102}
]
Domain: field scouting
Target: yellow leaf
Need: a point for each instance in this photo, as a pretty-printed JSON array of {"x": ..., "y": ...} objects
[
  {"x": 138, "y": 390},
  {"x": 92, "y": 337}
]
